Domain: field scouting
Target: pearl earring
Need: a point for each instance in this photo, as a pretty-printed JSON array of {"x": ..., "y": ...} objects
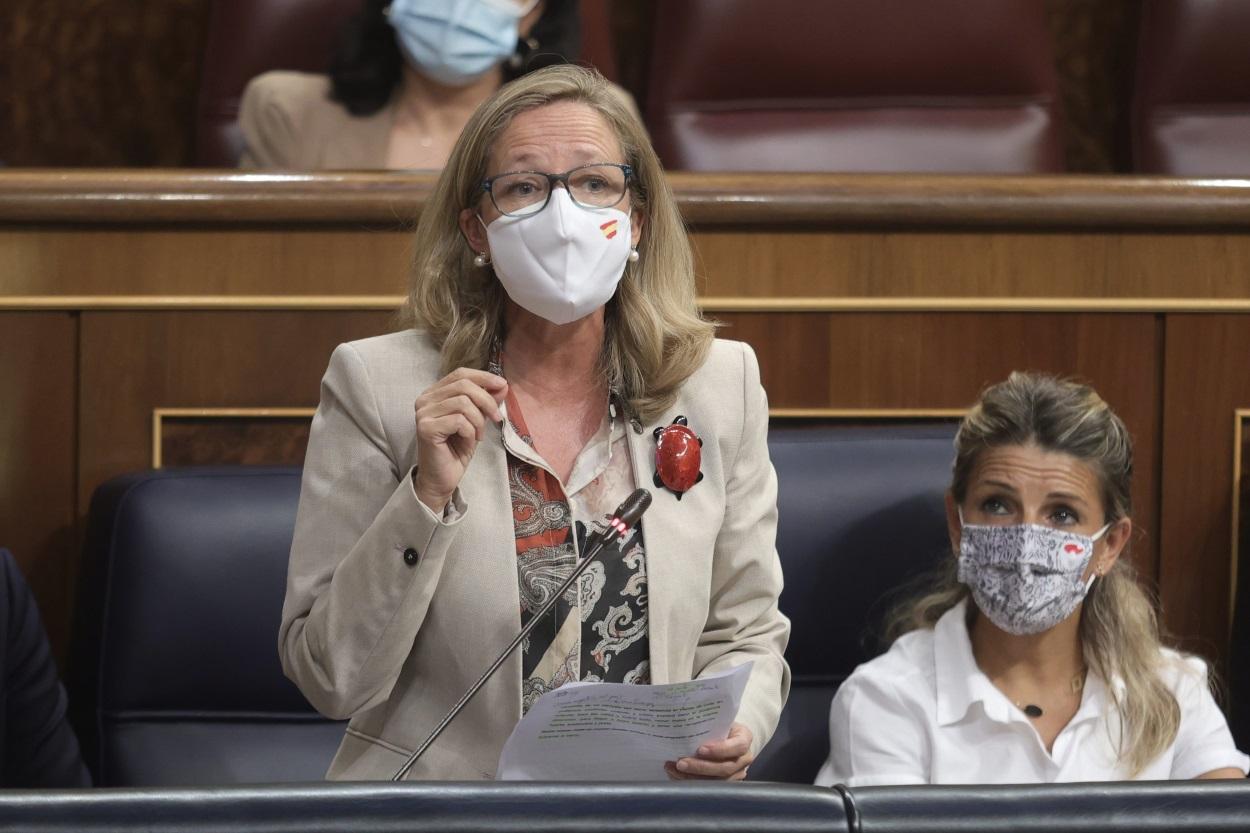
[
  {"x": 633, "y": 255},
  {"x": 481, "y": 259}
]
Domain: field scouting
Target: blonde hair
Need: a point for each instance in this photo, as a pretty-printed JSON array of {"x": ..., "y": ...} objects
[
  {"x": 1119, "y": 629},
  {"x": 655, "y": 336}
]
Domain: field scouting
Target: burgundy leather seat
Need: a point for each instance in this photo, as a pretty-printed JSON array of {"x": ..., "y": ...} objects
[
  {"x": 249, "y": 37},
  {"x": 844, "y": 85},
  {"x": 1191, "y": 109},
  {"x": 246, "y": 38}
]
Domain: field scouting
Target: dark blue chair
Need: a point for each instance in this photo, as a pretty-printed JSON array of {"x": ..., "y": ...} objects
[
  {"x": 861, "y": 516},
  {"x": 176, "y": 678}
]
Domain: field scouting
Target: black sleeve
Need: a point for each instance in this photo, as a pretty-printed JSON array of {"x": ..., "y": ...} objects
[{"x": 37, "y": 746}]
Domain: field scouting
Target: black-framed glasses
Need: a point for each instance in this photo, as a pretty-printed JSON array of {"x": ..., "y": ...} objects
[{"x": 522, "y": 193}]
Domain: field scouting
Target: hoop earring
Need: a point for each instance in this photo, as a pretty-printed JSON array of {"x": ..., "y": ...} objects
[{"x": 481, "y": 259}]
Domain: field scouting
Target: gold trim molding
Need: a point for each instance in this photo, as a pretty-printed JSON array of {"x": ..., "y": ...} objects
[
  {"x": 199, "y": 302},
  {"x": 709, "y": 304},
  {"x": 866, "y": 413},
  {"x": 159, "y": 415},
  {"x": 1240, "y": 415}
]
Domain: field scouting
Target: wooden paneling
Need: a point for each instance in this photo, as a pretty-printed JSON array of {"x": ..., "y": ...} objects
[
  {"x": 822, "y": 240},
  {"x": 876, "y": 361},
  {"x": 1207, "y": 378},
  {"x": 977, "y": 265},
  {"x": 1095, "y": 44},
  {"x": 231, "y": 440},
  {"x": 740, "y": 266},
  {"x": 37, "y": 465},
  {"x": 177, "y": 261},
  {"x": 793, "y": 349},
  {"x": 133, "y": 363},
  {"x": 105, "y": 82}
]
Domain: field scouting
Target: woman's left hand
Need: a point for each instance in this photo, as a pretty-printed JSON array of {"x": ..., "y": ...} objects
[{"x": 722, "y": 760}]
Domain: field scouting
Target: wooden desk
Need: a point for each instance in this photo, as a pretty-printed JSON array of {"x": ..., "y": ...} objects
[{"x": 867, "y": 297}]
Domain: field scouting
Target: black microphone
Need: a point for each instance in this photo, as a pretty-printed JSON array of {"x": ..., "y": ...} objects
[
  {"x": 622, "y": 521},
  {"x": 628, "y": 513}
]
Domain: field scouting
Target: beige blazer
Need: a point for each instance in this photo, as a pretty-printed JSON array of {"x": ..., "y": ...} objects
[
  {"x": 372, "y": 633},
  {"x": 290, "y": 122}
]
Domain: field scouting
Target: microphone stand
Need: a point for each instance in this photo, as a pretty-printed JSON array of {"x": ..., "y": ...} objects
[{"x": 622, "y": 521}]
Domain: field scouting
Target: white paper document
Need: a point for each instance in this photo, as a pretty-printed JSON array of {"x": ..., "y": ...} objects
[{"x": 620, "y": 731}]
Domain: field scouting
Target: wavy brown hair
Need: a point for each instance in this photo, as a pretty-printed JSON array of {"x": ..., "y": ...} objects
[
  {"x": 655, "y": 336},
  {"x": 1119, "y": 629}
]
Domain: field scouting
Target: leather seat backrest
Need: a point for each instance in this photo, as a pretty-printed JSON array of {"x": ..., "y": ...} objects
[
  {"x": 250, "y": 37},
  {"x": 1123, "y": 807},
  {"x": 844, "y": 85},
  {"x": 498, "y": 807},
  {"x": 177, "y": 677},
  {"x": 861, "y": 513},
  {"x": 1191, "y": 107}
]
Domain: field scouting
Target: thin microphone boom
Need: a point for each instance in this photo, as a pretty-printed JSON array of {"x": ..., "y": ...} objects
[{"x": 622, "y": 520}]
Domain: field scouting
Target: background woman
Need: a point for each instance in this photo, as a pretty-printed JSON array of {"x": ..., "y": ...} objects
[
  {"x": 406, "y": 76},
  {"x": 1038, "y": 659},
  {"x": 554, "y": 329}
]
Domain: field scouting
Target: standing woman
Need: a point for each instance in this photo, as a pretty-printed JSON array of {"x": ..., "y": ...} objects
[
  {"x": 1038, "y": 658},
  {"x": 454, "y": 468}
]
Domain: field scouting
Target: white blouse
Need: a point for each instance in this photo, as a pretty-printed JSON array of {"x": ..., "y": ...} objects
[{"x": 923, "y": 713}]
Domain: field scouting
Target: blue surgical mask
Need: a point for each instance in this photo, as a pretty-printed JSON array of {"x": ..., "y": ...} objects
[{"x": 455, "y": 42}]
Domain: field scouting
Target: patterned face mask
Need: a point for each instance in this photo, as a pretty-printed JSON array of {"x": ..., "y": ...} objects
[{"x": 1026, "y": 578}]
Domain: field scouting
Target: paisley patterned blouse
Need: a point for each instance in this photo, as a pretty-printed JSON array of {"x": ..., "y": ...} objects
[{"x": 598, "y": 632}]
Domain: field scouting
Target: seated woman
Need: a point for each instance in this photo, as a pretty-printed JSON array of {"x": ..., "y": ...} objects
[
  {"x": 406, "y": 78},
  {"x": 1037, "y": 659},
  {"x": 454, "y": 467}
]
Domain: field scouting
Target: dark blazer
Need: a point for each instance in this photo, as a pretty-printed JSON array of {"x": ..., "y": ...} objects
[{"x": 37, "y": 746}]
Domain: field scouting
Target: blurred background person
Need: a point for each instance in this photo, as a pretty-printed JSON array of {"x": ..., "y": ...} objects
[
  {"x": 406, "y": 76},
  {"x": 1038, "y": 659},
  {"x": 37, "y": 746}
]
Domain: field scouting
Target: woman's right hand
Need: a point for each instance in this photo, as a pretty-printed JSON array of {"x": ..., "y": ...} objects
[{"x": 451, "y": 420}]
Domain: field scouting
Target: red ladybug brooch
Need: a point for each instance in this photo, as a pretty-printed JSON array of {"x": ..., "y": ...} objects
[{"x": 678, "y": 455}]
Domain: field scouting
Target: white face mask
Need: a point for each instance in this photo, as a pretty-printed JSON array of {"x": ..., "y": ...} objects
[{"x": 564, "y": 262}]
